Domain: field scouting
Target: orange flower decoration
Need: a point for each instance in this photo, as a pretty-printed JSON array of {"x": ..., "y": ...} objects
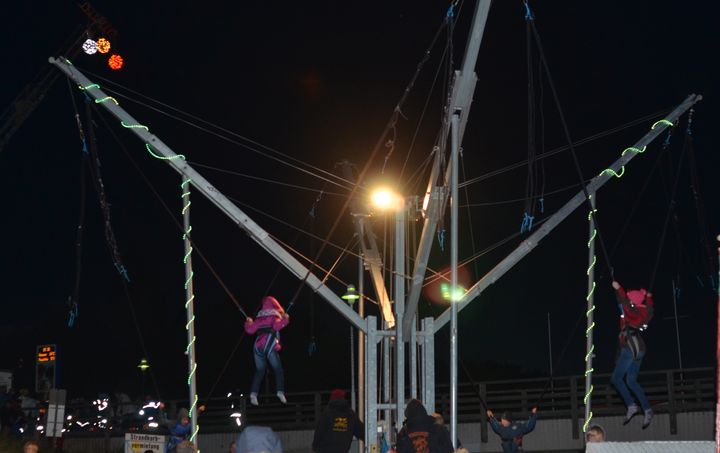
[
  {"x": 115, "y": 62},
  {"x": 103, "y": 45}
]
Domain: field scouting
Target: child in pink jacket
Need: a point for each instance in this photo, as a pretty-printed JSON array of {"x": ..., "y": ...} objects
[{"x": 266, "y": 327}]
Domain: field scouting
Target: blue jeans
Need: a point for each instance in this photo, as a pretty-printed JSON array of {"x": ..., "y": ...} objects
[
  {"x": 261, "y": 362},
  {"x": 627, "y": 367}
]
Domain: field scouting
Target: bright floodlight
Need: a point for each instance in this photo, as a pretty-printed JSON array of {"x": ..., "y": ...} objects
[{"x": 384, "y": 199}]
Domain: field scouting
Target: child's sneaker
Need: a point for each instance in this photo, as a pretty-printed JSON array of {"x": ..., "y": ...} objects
[
  {"x": 648, "y": 418},
  {"x": 281, "y": 397},
  {"x": 631, "y": 412},
  {"x": 253, "y": 399}
]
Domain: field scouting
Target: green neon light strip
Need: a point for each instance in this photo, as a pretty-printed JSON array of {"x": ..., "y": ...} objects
[
  {"x": 190, "y": 344},
  {"x": 105, "y": 99},
  {"x": 590, "y": 352},
  {"x": 187, "y": 282},
  {"x": 591, "y": 265},
  {"x": 187, "y": 233},
  {"x": 189, "y": 300},
  {"x": 614, "y": 173},
  {"x": 591, "y": 292},
  {"x": 189, "y": 323},
  {"x": 588, "y": 394},
  {"x": 634, "y": 150},
  {"x": 186, "y": 207},
  {"x": 192, "y": 407},
  {"x": 591, "y": 327},
  {"x": 592, "y": 309},
  {"x": 192, "y": 372},
  {"x": 192, "y": 438},
  {"x": 89, "y": 87},
  {"x": 590, "y": 214},
  {"x": 185, "y": 183},
  {"x": 68, "y": 62},
  {"x": 134, "y": 126},
  {"x": 587, "y": 422},
  {"x": 666, "y": 122},
  {"x": 592, "y": 238},
  {"x": 187, "y": 255},
  {"x": 157, "y": 156}
]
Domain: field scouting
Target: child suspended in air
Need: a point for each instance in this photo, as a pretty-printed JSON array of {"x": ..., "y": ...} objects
[
  {"x": 266, "y": 327},
  {"x": 636, "y": 311}
]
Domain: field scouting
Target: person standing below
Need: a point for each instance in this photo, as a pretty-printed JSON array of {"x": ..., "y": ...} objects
[
  {"x": 636, "y": 311},
  {"x": 511, "y": 433},
  {"x": 336, "y": 426},
  {"x": 421, "y": 434},
  {"x": 270, "y": 320}
]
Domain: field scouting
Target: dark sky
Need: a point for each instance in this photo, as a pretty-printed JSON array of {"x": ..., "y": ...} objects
[{"x": 318, "y": 81}]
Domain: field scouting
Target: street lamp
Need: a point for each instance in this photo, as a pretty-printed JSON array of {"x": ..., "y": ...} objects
[
  {"x": 351, "y": 295},
  {"x": 385, "y": 199}
]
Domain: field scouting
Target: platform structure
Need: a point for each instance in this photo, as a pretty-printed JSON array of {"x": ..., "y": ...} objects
[{"x": 399, "y": 323}]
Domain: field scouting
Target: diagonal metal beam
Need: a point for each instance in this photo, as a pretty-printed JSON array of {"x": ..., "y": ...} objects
[
  {"x": 371, "y": 253},
  {"x": 436, "y": 196},
  {"x": 579, "y": 199},
  {"x": 166, "y": 154}
]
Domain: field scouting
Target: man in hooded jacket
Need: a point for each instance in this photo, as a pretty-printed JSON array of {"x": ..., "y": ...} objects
[
  {"x": 336, "y": 426},
  {"x": 511, "y": 433},
  {"x": 421, "y": 434}
]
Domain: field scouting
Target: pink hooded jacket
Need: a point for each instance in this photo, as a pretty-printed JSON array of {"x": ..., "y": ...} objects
[{"x": 271, "y": 317}]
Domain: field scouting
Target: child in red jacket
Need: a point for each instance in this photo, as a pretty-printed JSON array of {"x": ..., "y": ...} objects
[
  {"x": 270, "y": 320},
  {"x": 637, "y": 309}
]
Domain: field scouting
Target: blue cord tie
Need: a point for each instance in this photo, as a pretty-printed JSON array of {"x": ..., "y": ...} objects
[
  {"x": 542, "y": 205},
  {"x": 528, "y": 12},
  {"x": 312, "y": 348},
  {"x": 123, "y": 271},
  {"x": 677, "y": 291},
  {"x": 441, "y": 239},
  {"x": 527, "y": 223},
  {"x": 73, "y": 315}
]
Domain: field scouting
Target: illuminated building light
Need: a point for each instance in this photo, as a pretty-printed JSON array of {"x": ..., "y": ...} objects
[
  {"x": 115, "y": 62},
  {"x": 151, "y": 418},
  {"x": 235, "y": 415},
  {"x": 229, "y": 395},
  {"x": 157, "y": 156},
  {"x": 142, "y": 412},
  {"x": 665, "y": 122},
  {"x": 103, "y": 45},
  {"x": 153, "y": 424},
  {"x": 105, "y": 99},
  {"x": 39, "y": 427},
  {"x": 89, "y": 46},
  {"x": 89, "y": 87},
  {"x": 238, "y": 422},
  {"x": 458, "y": 293},
  {"x": 134, "y": 126}
]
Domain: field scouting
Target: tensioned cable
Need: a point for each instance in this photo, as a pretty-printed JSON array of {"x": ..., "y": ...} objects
[
  {"x": 258, "y": 178},
  {"x": 566, "y": 131},
  {"x": 233, "y": 141},
  {"x": 566, "y": 147},
  {"x": 517, "y": 200},
  {"x": 208, "y": 123},
  {"x": 172, "y": 216},
  {"x": 480, "y": 254}
]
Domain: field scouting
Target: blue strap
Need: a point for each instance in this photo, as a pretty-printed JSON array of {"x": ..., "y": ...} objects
[
  {"x": 441, "y": 239},
  {"x": 123, "y": 271},
  {"x": 312, "y": 347},
  {"x": 73, "y": 315},
  {"x": 527, "y": 223},
  {"x": 542, "y": 205},
  {"x": 528, "y": 12}
]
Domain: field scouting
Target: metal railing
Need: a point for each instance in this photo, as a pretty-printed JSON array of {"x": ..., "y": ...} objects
[{"x": 669, "y": 391}]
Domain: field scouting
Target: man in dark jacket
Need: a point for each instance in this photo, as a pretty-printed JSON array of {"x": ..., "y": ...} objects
[
  {"x": 337, "y": 426},
  {"x": 510, "y": 433},
  {"x": 421, "y": 434}
]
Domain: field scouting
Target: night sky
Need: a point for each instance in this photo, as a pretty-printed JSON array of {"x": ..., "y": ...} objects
[{"x": 318, "y": 81}]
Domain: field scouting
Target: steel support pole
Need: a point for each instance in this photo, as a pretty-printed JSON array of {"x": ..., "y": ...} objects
[
  {"x": 189, "y": 309},
  {"x": 543, "y": 230},
  {"x": 361, "y": 339},
  {"x": 161, "y": 151},
  {"x": 590, "y": 299},
  {"x": 400, "y": 222},
  {"x": 677, "y": 326},
  {"x": 717, "y": 364},
  {"x": 427, "y": 370},
  {"x": 386, "y": 390},
  {"x": 455, "y": 122},
  {"x": 413, "y": 360},
  {"x": 371, "y": 390}
]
